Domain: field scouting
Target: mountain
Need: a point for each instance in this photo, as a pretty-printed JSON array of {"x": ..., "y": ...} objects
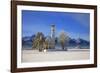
[
  {"x": 72, "y": 42},
  {"x": 27, "y": 41},
  {"x": 84, "y": 42},
  {"x": 78, "y": 41}
]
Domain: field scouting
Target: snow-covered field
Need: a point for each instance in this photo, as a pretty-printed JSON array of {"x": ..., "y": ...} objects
[{"x": 71, "y": 54}]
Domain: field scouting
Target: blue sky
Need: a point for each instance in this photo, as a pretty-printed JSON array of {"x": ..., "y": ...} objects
[{"x": 74, "y": 24}]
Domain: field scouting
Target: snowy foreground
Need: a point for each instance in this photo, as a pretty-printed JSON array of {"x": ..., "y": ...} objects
[{"x": 71, "y": 54}]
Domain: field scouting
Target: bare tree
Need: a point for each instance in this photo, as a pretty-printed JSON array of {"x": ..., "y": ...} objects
[
  {"x": 63, "y": 38},
  {"x": 38, "y": 41}
]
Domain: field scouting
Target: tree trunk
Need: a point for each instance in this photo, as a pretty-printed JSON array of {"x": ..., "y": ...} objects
[{"x": 62, "y": 44}]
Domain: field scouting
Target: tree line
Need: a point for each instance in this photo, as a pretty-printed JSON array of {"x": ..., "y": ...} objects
[{"x": 41, "y": 42}]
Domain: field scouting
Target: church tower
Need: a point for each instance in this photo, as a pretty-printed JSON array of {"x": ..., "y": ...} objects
[
  {"x": 53, "y": 36},
  {"x": 52, "y": 31}
]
